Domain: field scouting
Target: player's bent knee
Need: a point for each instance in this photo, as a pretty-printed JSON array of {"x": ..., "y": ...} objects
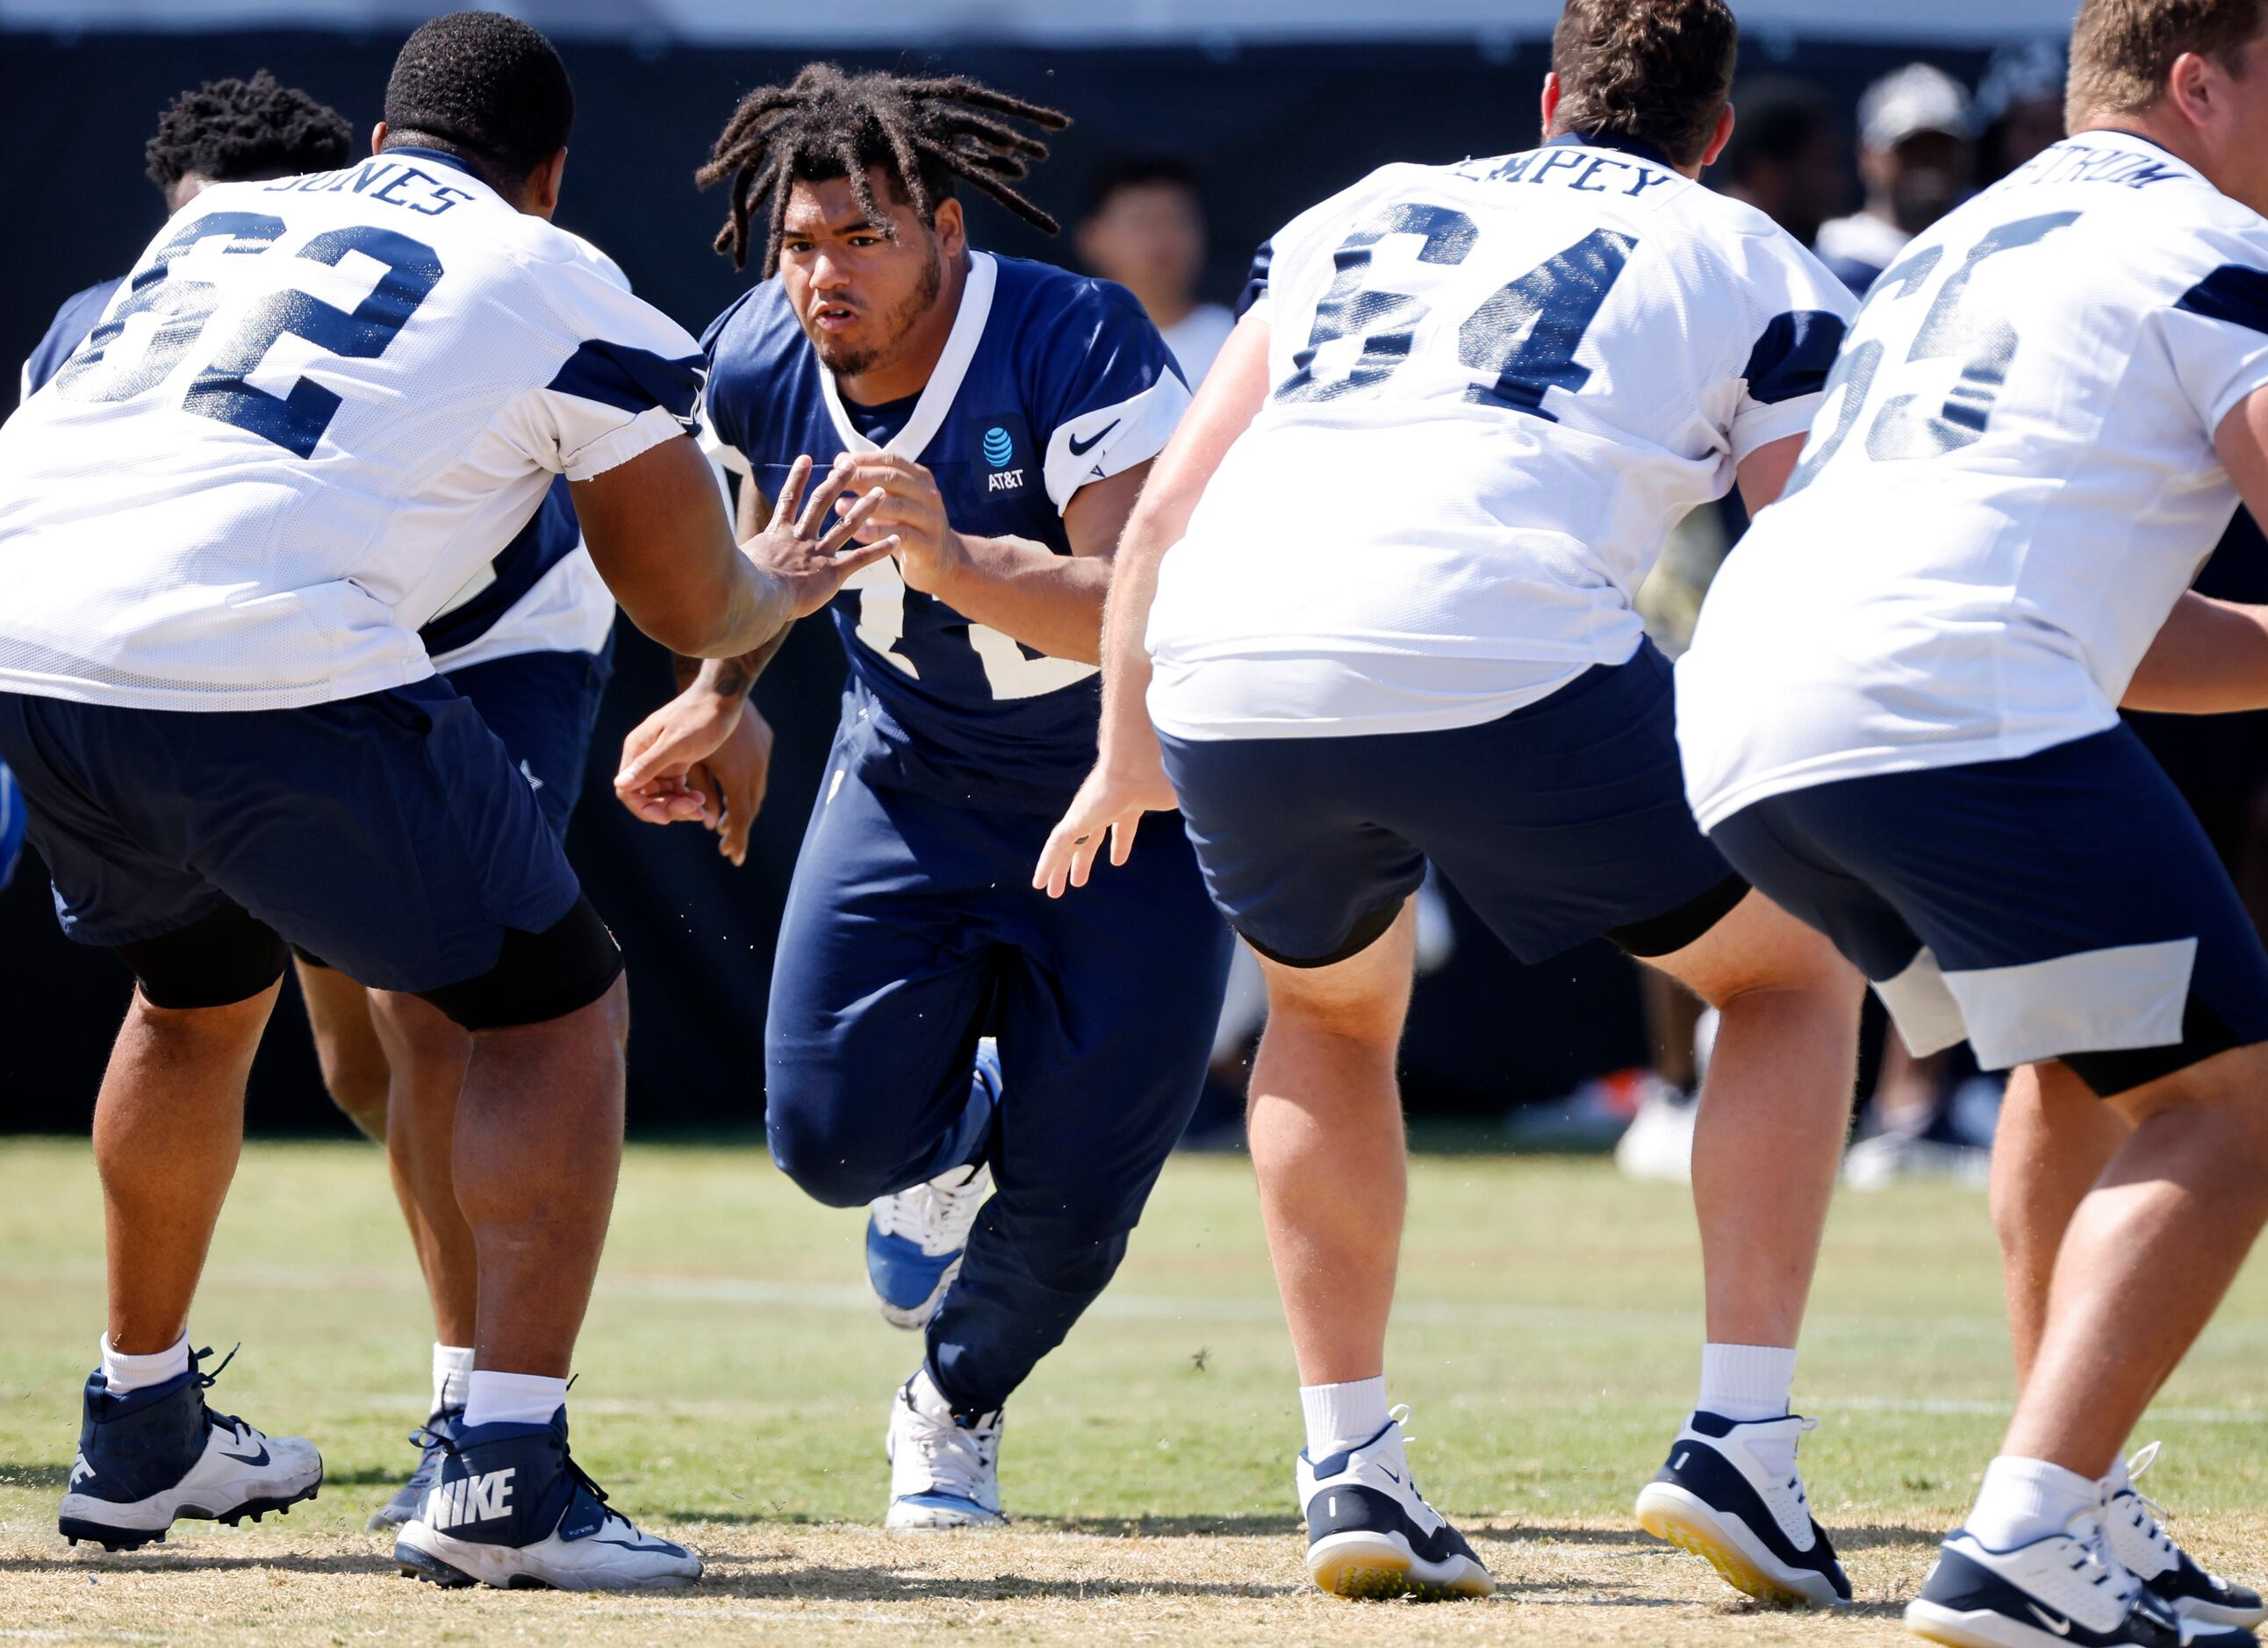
[
  {"x": 830, "y": 1153},
  {"x": 538, "y": 977}
]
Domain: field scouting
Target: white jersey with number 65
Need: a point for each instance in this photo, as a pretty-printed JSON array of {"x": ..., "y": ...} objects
[
  {"x": 2011, "y": 482},
  {"x": 1495, "y": 387}
]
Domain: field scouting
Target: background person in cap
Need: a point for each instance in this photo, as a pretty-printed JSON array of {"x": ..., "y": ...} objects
[{"x": 1918, "y": 163}]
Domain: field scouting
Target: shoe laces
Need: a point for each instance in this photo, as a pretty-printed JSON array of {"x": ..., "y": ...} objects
[
  {"x": 957, "y": 1457},
  {"x": 2093, "y": 1550},
  {"x": 206, "y": 1381}
]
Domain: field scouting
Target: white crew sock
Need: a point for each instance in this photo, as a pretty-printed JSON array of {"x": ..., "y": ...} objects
[
  {"x": 123, "y": 1373},
  {"x": 1743, "y": 1382},
  {"x": 2025, "y": 1499},
  {"x": 493, "y": 1398},
  {"x": 452, "y": 1367},
  {"x": 1341, "y": 1417}
]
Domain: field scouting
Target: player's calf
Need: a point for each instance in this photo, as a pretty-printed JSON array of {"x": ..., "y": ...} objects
[
  {"x": 150, "y": 1457},
  {"x": 510, "y": 1508}
]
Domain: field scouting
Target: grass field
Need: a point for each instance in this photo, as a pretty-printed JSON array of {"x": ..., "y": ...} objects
[{"x": 734, "y": 1378}]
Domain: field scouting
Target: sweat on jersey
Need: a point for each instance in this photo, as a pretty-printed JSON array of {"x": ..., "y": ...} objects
[
  {"x": 1496, "y": 387},
  {"x": 2011, "y": 482},
  {"x": 1048, "y": 381},
  {"x": 305, "y": 426}
]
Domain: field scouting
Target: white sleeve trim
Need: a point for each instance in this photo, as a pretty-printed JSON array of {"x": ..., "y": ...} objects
[
  {"x": 642, "y": 434},
  {"x": 2252, "y": 378},
  {"x": 718, "y": 449},
  {"x": 1113, "y": 439},
  {"x": 1757, "y": 426}
]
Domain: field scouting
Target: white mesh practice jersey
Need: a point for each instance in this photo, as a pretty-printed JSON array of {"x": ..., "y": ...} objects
[
  {"x": 1495, "y": 386},
  {"x": 2011, "y": 482},
  {"x": 316, "y": 408}
]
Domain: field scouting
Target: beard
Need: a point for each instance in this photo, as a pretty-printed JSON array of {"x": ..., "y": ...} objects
[{"x": 846, "y": 360}]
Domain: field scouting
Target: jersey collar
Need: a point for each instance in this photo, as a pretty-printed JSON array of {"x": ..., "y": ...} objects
[
  {"x": 437, "y": 157},
  {"x": 1631, "y": 146},
  {"x": 944, "y": 383}
]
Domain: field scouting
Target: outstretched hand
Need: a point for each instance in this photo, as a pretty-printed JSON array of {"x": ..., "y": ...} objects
[
  {"x": 1109, "y": 800},
  {"x": 809, "y": 559}
]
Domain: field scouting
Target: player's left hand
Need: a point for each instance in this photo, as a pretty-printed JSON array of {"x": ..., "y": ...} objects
[
  {"x": 733, "y": 781},
  {"x": 930, "y": 552},
  {"x": 661, "y": 752},
  {"x": 1111, "y": 800}
]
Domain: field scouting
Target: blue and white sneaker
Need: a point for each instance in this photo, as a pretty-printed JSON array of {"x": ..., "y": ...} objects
[
  {"x": 915, "y": 1238},
  {"x": 410, "y": 1496},
  {"x": 510, "y": 1508},
  {"x": 1731, "y": 1495},
  {"x": 944, "y": 1468},
  {"x": 157, "y": 1454},
  {"x": 2144, "y": 1548},
  {"x": 2054, "y": 1593},
  {"x": 1370, "y": 1532}
]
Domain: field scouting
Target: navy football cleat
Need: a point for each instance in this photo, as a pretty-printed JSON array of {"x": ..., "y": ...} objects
[
  {"x": 154, "y": 1455},
  {"x": 1731, "y": 1495},
  {"x": 513, "y": 1510},
  {"x": 916, "y": 1236},
  {"x": 2053, "y": 1592},
  {"x": 510, "y": 1508},
  {"x": 2144, "y": 1549},
  {"x": 411, "y": 1495},
  {"x": 1370, "y": 1532}
]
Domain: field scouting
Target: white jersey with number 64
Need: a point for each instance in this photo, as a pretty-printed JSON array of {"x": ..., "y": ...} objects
[{"x": 1495, "y": 387}]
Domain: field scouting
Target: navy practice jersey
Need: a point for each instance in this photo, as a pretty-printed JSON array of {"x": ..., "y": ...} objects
[
  {"x": 1049, "y": 380},
  {"x": 551, "y": 534}
]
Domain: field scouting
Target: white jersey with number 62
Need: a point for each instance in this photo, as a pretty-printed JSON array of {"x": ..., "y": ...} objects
[
  {"x": 1495, "y": 386},
  {"x": 2011, "y": 482}
]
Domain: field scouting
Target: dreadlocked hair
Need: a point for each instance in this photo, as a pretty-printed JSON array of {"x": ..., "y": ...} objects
[{"x": 924, "y": 134}]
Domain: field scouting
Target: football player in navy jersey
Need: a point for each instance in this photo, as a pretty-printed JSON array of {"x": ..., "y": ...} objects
[
  {"x": 998, "y": 1077},
  {"x": 528, "y": 642}
]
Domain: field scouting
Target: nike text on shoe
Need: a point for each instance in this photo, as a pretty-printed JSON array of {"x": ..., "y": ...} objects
[
  {"x": 2053, "y": 1592},
  {"x": 915, "y": 1238},
  {"x": 2143, "y": 1547},
  {"x": 510, "y": 1508},
  {"x": 153, "y": 1455},
  {"x": 1370, "y": 1532},
  {"x": 1731, "y": 1494},
  {"x": 411, "y": 1496},
  {"x": 944, "y": 1468}
]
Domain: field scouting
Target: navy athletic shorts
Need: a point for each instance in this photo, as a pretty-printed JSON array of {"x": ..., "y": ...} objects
[
  {"x": 544, "y": 707},
  {"x": 390, "y": 833},
  {"x": 2066, "y": 904},
  {"x": 1559, "y": 823}
]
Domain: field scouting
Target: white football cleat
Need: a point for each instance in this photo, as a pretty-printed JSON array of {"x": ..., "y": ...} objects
[
  {"x": 1731, "y": 1495},
  {"x": 916, "y": 1236},
  {"x": 2144, "y": 1549},
  {"x": 943, "y": 1473},
  {"x": 1370, "y": 1532},
  {"x": 157, "y": 1454},
  {"x": 2062, "y": 1591}
]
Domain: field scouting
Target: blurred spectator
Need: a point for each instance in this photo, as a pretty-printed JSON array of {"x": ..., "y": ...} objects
[
  {"x": 1917, "y": 162},
  {"x": 1144, "y": 227},
  {"x": 1788, "y": 156},
  {"x": 2019, "y": 106}
]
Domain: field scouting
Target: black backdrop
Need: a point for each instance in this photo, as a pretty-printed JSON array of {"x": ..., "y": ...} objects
[{"x": 1272, "y": 129}]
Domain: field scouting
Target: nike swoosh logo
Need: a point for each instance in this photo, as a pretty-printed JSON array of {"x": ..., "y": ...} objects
[
  {"x": 260, "y": 1458},
  {"x": 1081, "y": 448},
  {"x": 626, "y": 1545},
  {"x": 2060, "y": 1627}
]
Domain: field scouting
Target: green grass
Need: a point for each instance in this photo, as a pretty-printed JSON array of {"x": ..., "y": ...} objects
[{"x": 732, "y": 1374}]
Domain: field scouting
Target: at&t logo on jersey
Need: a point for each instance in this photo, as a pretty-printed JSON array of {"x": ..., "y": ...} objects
[
  {"x": 999, "y": 449},
  {"x": 480, "y": 1497}
]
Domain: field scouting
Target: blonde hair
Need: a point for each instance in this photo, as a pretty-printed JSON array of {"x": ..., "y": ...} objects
[{"x": 2122, "y": 50}]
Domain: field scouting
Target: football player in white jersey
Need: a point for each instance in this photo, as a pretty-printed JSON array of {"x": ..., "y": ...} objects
[
  {"x": 1900, "y": 719},
  {"x": 1554, "y": 354},
  {"x": 343, "y": 391}
]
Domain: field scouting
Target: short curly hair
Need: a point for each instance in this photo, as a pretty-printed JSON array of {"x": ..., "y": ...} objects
[
  {"x": 233, "y": 131},
  {"x": 1657, "y": 70},
  {"x": 483, "y": 85}
]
